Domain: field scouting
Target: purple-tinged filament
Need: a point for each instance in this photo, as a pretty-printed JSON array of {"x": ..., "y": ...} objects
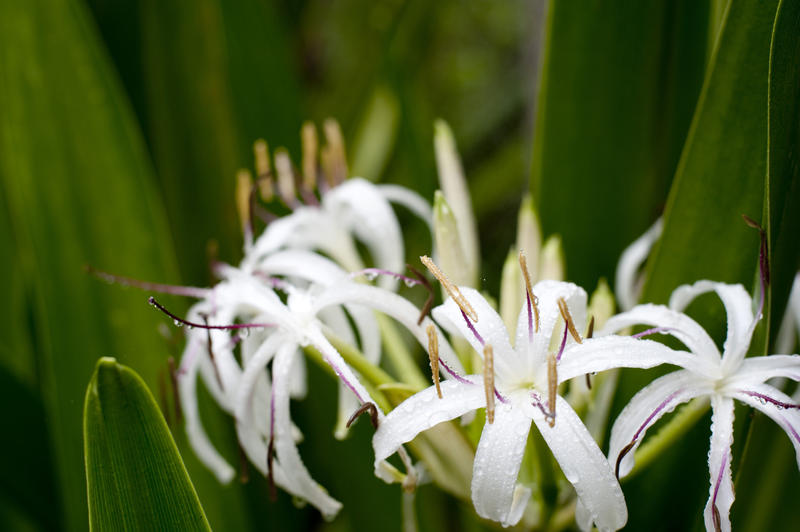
[
  {"x": 654, "y": 330},
  {"x": 763, "y": 398},
  {"x": 182, "y": 321},
  {"x": 472, "y": 328}
]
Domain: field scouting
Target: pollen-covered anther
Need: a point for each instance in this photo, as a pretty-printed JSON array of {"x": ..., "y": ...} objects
[
  {"x": 532, "y": 299},
  {"x": 334, "y": 158},
  {"x": 451, "y": 289},
  {"x": 263, "y": 172},
  {"x": 562, "y": 306},
  {"x": 366, "y": 407},
  {"x": 552, "y": 388},
  {"x": 244, "y": 193},
  {"x": 488, "y": 381},
  {"x": 283, "y": 165},
  {"x": 433, "y": 354},
  {"x": 308, "y": 138}
]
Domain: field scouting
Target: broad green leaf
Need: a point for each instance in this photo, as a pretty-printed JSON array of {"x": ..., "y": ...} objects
[
  {"x": 617, "y": 92},
  {"x": 135, "y": 476},
  {"x": 78, "y": 189}
]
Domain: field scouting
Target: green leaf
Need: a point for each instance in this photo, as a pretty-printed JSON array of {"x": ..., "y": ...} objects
[
  {"x": 617, "y": 92},
  {"x": 135, "y": 476},
  {"x": 78, "y": 189}
]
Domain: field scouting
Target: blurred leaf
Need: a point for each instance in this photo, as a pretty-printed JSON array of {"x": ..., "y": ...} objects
[
  {"x": 135, "y": 476},
  {"x": 617, "y": 93},
  {"x": 78, "y": 189}
]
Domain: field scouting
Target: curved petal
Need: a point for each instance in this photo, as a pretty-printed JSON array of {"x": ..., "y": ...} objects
[
  {"x": 608, "y": 352},
  {"x": 423, "y": 410},
  {"x": 550, "y": 321},
  {"x": 627, "y": 283},
  {"x": 410, "y": 200},
  {"x": 720, "y": 497},
  {"x": 300, "y": 482},
  {"x": 496, "y": 467},
  {"x": 584, "y": 465},
  {"x": 761, "y": 369},
  {"x": 738, "y": 307},
  {"x": 676, "y": 324},
  {"x": 647, "y": 406},
  {"x": 489, "y": 329},
  {"x": 772, "y": 402},
  {"x": 304, "y": 264}
]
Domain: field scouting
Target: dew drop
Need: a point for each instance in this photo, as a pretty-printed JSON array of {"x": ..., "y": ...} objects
[
  {"x": 244, "y": 332},
  {"x": 177, "y": 323},
  {"x": 370, "y": 276},
  {"x": 409, "y": 282}
]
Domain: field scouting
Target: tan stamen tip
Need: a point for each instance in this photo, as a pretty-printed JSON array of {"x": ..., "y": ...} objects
[
  {"x": 244, "y": 188},
  {"x": 552, "y": 388},
  {"x": 562, "y": 306},
  {"x": 283, "y": 164},
  {"x": 334, "y": 158},
  {"x": 488, "y": 381},
  {"x": 433, "y": 354},
  {"x": 263, "y": 173},
  {"x": 523, "y": 265},
  {"x": 451, "y": 289},
  {"x": 310, "y": 143}
]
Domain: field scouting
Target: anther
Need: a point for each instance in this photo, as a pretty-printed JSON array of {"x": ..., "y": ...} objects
[
  {"x": 433, "y": 354},
  {"x": 488, "y": 381},
  {"x": 308, "y": 136},
  {"x": 283, "y": 165},
  {"x": 450, "y": 288},
  {"x": 334, "y": 160},
  {"x": 426, "y": 307},
  {"x": 244, "y": 194},
  {"x": 552, "y": 388},
  {"x": 263, "y": 172},
  {"x": 366, "y": 407},
  {"x": 532, "y": 300},
  {"x": 562, "y": 306}
]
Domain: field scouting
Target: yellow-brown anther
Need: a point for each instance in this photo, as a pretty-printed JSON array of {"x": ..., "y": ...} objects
[
  {"x": 488, "y": 381},
  {"x": 562, "y": 306},
  {"x": 433, "y": 354},
  {"x": 451, "y": 289},
  {"x": 552, "y": 388},
  {"x": 523, "y": 265},
  {"x": 334, "y": 159},
  {"x": 244, "y": 187},
  {"x": 310, "y": 149},
  {"x": 263, "y": 173},
  {"x": 283, "y": 164},
  {"x": 590, "y": 329}
]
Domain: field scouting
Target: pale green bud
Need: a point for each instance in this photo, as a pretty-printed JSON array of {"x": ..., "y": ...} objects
[{"x": 551, "y": 262}]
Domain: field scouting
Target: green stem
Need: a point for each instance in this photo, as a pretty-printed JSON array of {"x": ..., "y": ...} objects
[
  {"x": 372, "y": 373},
  {"x": 674, "y": 429},
  {"x": 399, "y": 355}
]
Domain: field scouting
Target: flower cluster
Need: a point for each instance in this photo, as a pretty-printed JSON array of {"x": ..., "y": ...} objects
[{"x": 303, "y": 290}]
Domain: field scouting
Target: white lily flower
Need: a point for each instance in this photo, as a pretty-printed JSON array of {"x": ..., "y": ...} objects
[
  {"x": 524, "y": 380},
  {"x": 720, "y": 377}
]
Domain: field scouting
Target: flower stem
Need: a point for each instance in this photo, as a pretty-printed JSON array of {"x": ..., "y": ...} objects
[
  {"x": 399, "y": 355},
  {"x": 676, "y": 427}
]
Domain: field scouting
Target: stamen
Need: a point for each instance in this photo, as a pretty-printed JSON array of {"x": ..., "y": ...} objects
[
  {"x": 562, "y": 306},
  {"x": 625, "y": 450},
  {"x": 211, "y": 352},
  {"x": 563, "y": 344},
  {"x": 187, "y": 291},
  {"x": 334, "y": 159},
  {"x": 310, "y": 143},
  {"x": 763, "y": 399},
  {"x": 426, "y": 307},
  {"x": 763, "y": 264},
  {"x": 550, "y": 417},
  {"x": 532, "y": 300},
  {"x": 366, "y": 407},
  {"x": 244, "y": 193},
  {"x": 180, "y": 321},
  {"x": 453, "y": 374},
  {"x": 488, "y": 381},
  {"x": 451, "y": 289},
  {"x": 283, "y": 165},
  {"x": 176, "y": 401},
  {"x": 552, "y": 388},
  {"x": 654, "y": 330},
  {"x": 433, "y": 354},
  {"x": 263, "y": 172},
  {"x": 589, "y": 333}
]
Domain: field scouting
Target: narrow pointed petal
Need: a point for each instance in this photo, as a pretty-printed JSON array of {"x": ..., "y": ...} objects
[
  {"x": 628, "y": 283},
  {"x": 529, "y": 236},
  {"x": 648, "y": 406},
  {"x": 410, "y": 200},
  {"x": 720, "y": 498},
  {"x": 679, "y": 325},
  {"x": 496, "y": 467},
  {"x": 608, "y": 352},
  {"x": 448, "y": 244},
  {"x": 512, "y": 291},
  {"x": 549, "y": 293},
  {"x": 584, "y": 465},
  {"x": 771, "y": 401},
  {"x": 761, "y": 369},
  {"x": 738, "y": 307},
  {"x": 423, "y": 410},
  {"x": 300, "y": 482}
]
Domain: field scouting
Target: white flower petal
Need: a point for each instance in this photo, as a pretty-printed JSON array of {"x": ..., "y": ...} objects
[
  {"x": 608, "y": 352},
  {"x": 627, "y": 283},
  {"x": 496, "y": 467},
  {"x": 720, "y": 498},
  {"x": 300, "y": 482},
  {"x": 423, "y": 410},
  {"x": 773, "y": 403},
  {"x": 584, "y": 465},
  {"x": 679, "y": 325},
  {"x": 738, "y": 307},
  {"x": 761, "y": 369},
  {"x": 410, "y": 200},
  {"x": 645, "y": 408}
]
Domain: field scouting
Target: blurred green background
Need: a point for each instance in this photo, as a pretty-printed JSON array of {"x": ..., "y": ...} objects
[{"x": 122, "y": 125}]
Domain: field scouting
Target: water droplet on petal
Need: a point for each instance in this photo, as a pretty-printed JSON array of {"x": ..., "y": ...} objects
[{"x": 178, "y": 323}]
